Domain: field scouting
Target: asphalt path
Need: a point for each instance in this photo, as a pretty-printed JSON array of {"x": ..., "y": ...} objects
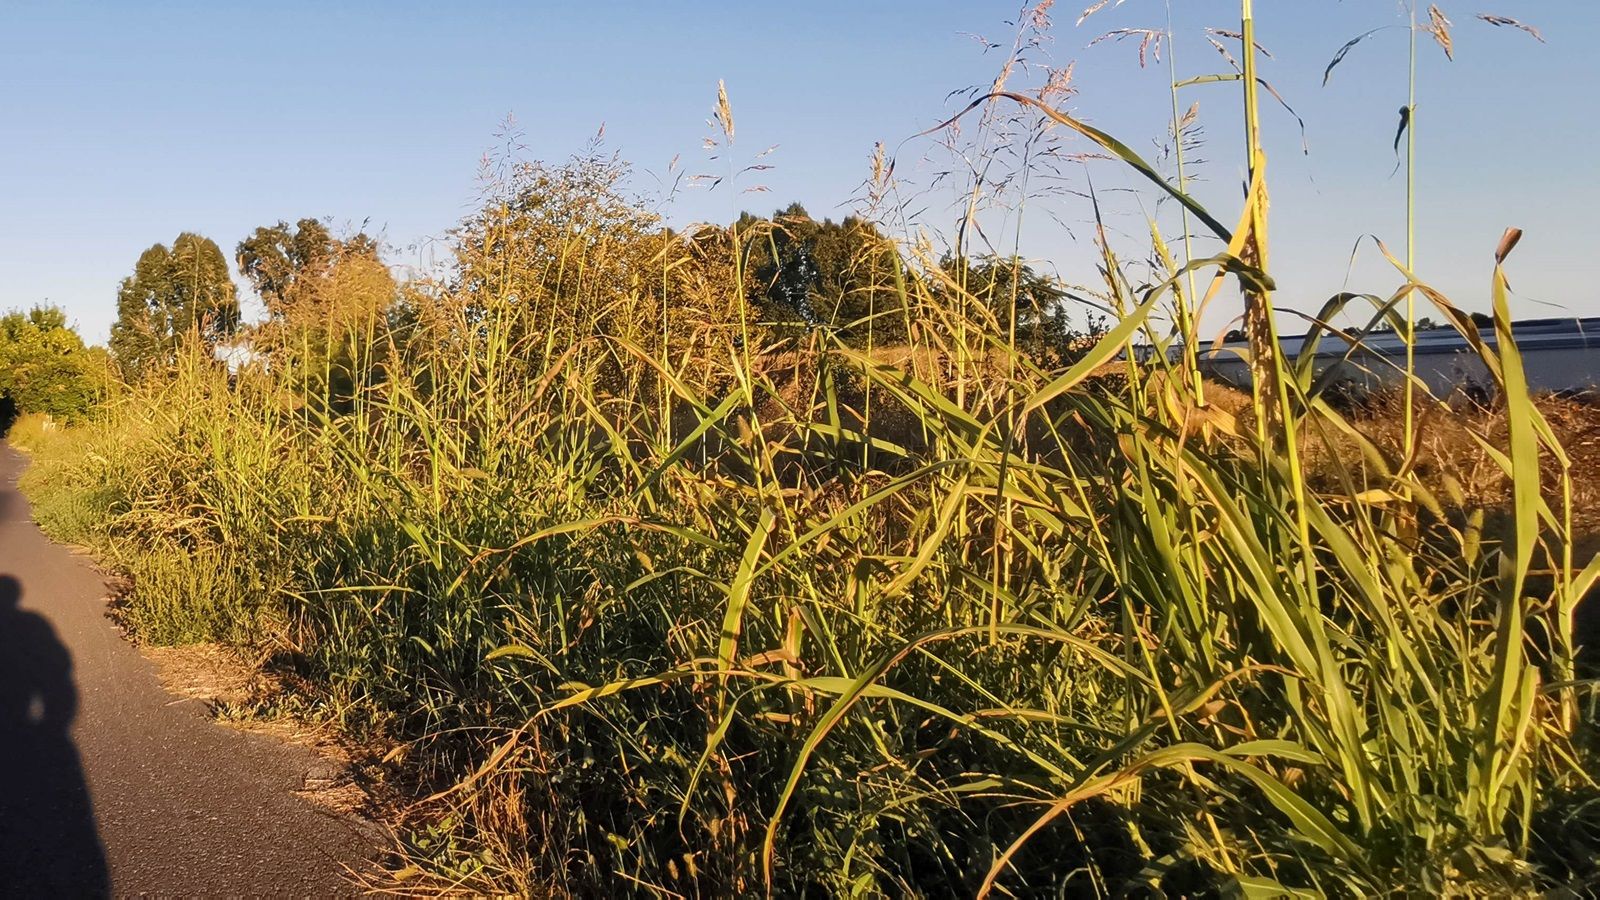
[{"x": 109, "y": 785}]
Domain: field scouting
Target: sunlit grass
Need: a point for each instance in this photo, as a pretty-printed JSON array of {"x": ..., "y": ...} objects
[{"x": 654, "y": 596}]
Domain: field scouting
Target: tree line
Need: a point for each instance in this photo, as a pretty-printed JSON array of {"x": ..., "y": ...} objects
[{"x": 328, "y": 298}]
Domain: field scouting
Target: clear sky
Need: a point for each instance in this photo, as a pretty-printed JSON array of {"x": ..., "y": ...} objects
[{"x": 125, "y": 123}]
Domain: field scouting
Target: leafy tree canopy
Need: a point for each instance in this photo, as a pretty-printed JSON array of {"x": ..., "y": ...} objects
[
  {"x": 286, "y": 264},
  {"x": 45, "y": 367},
  {"x": 327, "y": 300},
  {"x": 848, "y": 277},
  {"x": 171, "y": 294},
  {"x": 1031, "y": 311},
  {"x": 837, "y": 275}
]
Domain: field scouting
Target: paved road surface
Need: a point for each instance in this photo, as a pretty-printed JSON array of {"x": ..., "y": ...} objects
[{"x": 110, "y": 785}]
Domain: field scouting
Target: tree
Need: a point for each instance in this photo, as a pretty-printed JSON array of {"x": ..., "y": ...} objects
[
  {"x": 285, "y": 263},
  {"x": 561, "y": 253},
  {"x": 136, "y": 339},
  {"x": 836, "y": 275},
  {"x": 1029, "y": 309},
  {"x": 561, "y": 241},
  {"x": 45, "y": 367},
  {"x": 172, "y": 293},
  {"x": 204, "y": 296},
  {"x": 327, "y": 301}
]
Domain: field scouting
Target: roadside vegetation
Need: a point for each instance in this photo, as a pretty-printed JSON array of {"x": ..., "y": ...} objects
[
  {"x": 822, "y": 558},
  {"x": 46, "y": 370}
]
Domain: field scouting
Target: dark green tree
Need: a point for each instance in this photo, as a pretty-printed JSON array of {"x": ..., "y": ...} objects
[
  {"x": 282, "y": 261},
  {"x": 204, "y": 296},
  {"x": 327, "y": 302},
  {"x": 1029, "y": 310},
  {"x": 173, "y": 293},
  {"x": 137, "y": 340},
  {"x": 827, "y": 274}
]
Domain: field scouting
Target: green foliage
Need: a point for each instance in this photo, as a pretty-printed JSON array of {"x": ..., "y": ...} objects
[
  {"x": 1029, "y": 310},
  {"x": 841, "y": 278},
  {"x": 285, "y": 264},
  {"x": 833, "y": 275},
  {"x": 172, "y": 294},
  {"x": 562, "y": 244},
  {"x": 667, "y": 606},
  {"x": 657, "y": 644},
  {"x": 45, "y": 368},
  {"x": 327, "y": 299}
]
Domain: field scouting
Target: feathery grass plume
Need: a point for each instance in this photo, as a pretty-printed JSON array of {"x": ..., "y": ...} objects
[
  {"x": 724, "y": 111},
  {"x": 1439, "y": 27},
  {"x": 1507, "y": 22}
]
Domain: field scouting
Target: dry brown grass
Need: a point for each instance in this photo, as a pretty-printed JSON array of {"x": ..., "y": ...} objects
[
  {"x": 214, "y": 674},
  {"x": 241, "y": 693},
  {"x": 1452, "y": 460}
]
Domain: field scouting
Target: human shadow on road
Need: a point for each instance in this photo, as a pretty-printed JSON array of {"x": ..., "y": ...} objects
[{"x": 49, "y": 846}]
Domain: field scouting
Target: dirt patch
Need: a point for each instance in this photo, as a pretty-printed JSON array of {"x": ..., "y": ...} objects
[
  {"x": 211, "y": 673},
  {"x": 239, "y": 693}
]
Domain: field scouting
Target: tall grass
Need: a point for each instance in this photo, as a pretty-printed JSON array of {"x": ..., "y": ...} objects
[{"x": 656, "y": 597}]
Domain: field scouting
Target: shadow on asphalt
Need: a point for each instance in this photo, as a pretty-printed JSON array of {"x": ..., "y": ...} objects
[{"x": 48, "y": 842}]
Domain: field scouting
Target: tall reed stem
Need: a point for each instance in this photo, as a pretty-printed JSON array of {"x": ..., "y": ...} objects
[
  {"x": 1188, "y": 328},
  {"x": 1411, "y": 235}
]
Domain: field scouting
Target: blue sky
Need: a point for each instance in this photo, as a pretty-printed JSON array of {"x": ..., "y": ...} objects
[{"x": 127, "y": 123}]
